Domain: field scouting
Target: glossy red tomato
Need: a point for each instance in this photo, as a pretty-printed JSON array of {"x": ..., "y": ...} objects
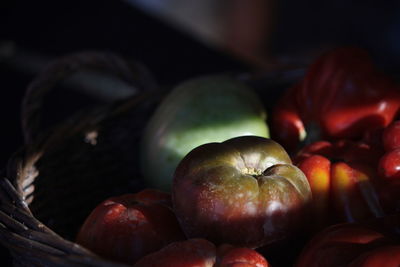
[
  {"x": 389, "y": 165},
  {"x": 350, "y": 245},
  {"x": 342, "y": 95},
  {"x": 127, "y": 227}
]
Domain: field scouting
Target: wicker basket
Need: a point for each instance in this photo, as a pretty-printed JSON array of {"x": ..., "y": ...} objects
[{"x": 62, "y": 173}]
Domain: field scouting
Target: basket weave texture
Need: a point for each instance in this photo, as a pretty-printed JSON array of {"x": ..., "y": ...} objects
[{"x": 62, "y": 172}]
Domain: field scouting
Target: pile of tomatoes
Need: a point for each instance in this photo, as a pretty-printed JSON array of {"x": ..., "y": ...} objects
[{"x": 323, "y": 190}]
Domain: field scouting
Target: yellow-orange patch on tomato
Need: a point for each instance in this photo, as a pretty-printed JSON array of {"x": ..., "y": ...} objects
[
  {"x": 319, "y": 180},
  {"x": 342, "y": 176},
  {"x": 317, "y": 170}
]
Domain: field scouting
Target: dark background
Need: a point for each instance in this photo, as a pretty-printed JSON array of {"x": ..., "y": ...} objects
[
  {"x": 54, "y": 28},
  {"x": 50, "y": 29}
]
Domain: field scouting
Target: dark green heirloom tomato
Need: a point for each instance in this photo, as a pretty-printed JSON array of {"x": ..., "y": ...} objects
[{"x": 243, "y": 191}]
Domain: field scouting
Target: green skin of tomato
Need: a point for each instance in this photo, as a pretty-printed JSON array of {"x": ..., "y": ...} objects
[
  {"x": 243, "y": 191},
  {"x": 199, "y": 111}
]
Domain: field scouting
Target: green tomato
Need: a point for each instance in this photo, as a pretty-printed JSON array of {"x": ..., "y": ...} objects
[{"x": 198, "y": 111}]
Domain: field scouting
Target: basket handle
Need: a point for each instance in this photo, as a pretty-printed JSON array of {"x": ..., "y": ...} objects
[{"x": 135, "y": 75}]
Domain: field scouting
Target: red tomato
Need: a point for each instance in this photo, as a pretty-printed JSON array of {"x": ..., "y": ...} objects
[{"x": 127, "y": 227}]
